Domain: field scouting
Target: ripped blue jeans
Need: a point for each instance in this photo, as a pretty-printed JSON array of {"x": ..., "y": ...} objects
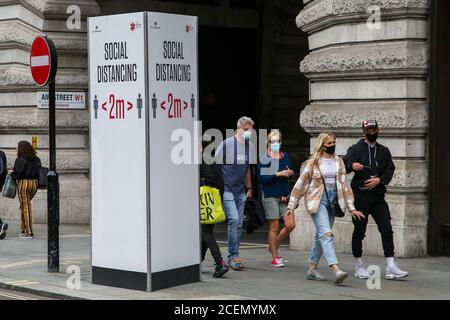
[{"x": 322, "y": 244}]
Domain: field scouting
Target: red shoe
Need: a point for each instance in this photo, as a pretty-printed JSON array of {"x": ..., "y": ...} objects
[{"x": 277, "y": 262}]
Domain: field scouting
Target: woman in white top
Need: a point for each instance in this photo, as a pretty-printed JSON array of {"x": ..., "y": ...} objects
[{"x": 324, "y": 166}]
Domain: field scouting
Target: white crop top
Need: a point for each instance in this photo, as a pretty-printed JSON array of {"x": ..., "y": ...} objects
[{"x": 328, "y": 169}]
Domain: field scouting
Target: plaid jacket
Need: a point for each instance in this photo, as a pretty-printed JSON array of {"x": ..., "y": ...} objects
[{"x": 310, "y": 185}]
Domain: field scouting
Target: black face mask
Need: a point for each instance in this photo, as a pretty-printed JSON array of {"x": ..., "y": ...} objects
[
  {"x": 372, "y": 137},
  {"x": 330, "y": 150}
]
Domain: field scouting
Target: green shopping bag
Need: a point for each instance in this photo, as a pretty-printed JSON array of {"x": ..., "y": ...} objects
[
  {"x": 10, "y": 187},
  {"x": 211, "y": 210}
]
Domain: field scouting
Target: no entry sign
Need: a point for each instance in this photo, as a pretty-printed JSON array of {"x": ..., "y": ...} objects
[
  {"x": 43, "y": 65},
  {"x": 43, "y": 62}
]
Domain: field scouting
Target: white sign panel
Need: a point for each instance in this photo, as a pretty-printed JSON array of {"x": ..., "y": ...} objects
[
  {"x": 118, "y": 142},
  {"x": 172, "y": 63},
  {"x": 63, "y": 100}
]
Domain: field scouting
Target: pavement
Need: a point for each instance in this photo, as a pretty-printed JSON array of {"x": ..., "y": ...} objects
[
  {"x": 23, "y": 269},
  {"x": 13, "y": 295}
]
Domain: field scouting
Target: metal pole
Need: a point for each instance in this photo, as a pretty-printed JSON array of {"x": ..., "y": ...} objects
[{"x": 52, "y": 190}]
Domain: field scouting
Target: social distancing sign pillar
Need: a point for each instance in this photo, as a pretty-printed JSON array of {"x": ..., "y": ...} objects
[{"x": 145, "y": 196}]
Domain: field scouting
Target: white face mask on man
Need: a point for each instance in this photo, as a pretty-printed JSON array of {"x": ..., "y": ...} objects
[{"x": 247, "y": 135}]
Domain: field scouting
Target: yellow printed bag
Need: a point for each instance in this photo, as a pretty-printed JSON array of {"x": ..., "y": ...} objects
[{"x": 211, "y": 210}]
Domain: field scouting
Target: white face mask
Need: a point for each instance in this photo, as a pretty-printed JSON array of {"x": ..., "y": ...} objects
[
  {"x": 247, "y": 135},
  {"x": 276, "y": 146}
]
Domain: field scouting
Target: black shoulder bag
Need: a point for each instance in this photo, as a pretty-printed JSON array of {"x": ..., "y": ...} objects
[
  {"x": 43, "y": 179},
  {"x": 333, "y": 207}
]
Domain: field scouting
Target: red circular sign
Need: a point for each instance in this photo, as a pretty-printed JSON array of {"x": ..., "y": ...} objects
[{"x": 42, "y": 61}]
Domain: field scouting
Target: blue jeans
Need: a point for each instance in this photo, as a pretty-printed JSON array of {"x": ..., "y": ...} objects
[
  {"x": 234, "y": 204},
  {"x": 323, "y": 245}
]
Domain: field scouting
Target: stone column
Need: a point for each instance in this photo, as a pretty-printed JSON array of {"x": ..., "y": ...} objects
[
  {"x": 20, "y": 22},
  {"x": 357, "y": 73}
]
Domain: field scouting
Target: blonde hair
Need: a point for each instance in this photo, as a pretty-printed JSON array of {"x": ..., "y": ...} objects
[
  {"x": 323, "y": 137},
  {"x": 273, "y": 133}
]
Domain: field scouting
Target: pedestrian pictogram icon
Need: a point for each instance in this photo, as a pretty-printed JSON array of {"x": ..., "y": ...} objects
[
  {"x": 116, "y": 108},
  {"x": 43, "y": 60}
]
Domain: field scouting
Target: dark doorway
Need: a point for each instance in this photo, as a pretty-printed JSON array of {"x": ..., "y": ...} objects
[
  {"x": 228, "y": 76},
  {"x": 249, "y": 55},
  {"x": 439, "y": 156}
]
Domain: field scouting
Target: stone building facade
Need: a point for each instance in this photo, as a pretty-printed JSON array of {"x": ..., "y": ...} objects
[
  {"x": 20, "y": 22},
  {"x": 357, "y": 72},
  {"x": 269, "y": 23},
  {"x": 348, "y": 72}
]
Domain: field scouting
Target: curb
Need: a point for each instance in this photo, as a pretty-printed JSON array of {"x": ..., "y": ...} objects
[{"x": 47, "y": 294}]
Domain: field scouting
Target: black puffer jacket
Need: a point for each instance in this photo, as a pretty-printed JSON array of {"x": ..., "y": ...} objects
[{"x": 26, "y": 169}]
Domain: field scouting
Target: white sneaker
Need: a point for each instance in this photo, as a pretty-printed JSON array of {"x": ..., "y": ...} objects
[
  {"x": 25, "y": 236},
  {"x": 395, "y": 273},
  {"x": 313, "y": 274},
  {"x": 340, "y": 276},
  {"x": 361, "y": 271}
]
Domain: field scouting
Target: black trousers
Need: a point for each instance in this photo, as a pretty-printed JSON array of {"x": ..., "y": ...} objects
[
  {"x": 371, "y": 203},
  {"x": 209, "y": 241}
]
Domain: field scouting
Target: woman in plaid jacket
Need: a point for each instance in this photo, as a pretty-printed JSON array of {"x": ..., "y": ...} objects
[{"x": 322, "y": 178}]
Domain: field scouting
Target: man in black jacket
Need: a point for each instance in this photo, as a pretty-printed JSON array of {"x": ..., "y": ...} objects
[
  {"x": 3, "y": 172},
  {"x": 373, "y": 167}
]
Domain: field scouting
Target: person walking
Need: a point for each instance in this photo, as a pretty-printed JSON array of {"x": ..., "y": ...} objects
[
  {"x": 3, "y": 173},
  {"x": 211, "y": 175},
  {"x": 373, "y": 167},
  {"x": 322, "y": 179},
  {"x": 273, "y": 173},
  {"x": 235, "y": 155},
  {"x": 26, "y": 173}
]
